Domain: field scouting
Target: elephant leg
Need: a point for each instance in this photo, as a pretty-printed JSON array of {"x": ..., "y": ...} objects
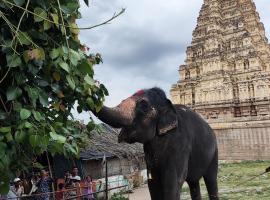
[
  {"x": 212, "y": 187},
  {"x": 210, "y": 179},
  {"x": 154, "y": 185},
  {"x": 195, "y": 191},
  {"x": 171, "y": 185}
]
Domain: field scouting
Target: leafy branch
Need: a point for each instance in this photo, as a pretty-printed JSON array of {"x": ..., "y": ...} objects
[
  {"x": 44, "y": 71},
  {"x": 115, "y": 15}
]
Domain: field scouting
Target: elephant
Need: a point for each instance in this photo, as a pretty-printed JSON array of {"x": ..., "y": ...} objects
[{"x": 178, "y": 144}]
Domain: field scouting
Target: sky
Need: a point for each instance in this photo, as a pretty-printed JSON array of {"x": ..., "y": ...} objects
[{"x": 143, "y": 47}]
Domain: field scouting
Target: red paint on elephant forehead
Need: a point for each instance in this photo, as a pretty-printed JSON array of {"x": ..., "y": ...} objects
[{"x": 139, "y": 93}]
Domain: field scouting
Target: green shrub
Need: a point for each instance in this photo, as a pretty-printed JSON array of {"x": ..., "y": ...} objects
[{"x": 118, "y": 196}]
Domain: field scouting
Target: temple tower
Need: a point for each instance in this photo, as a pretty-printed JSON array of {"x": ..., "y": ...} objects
[{"x": 226, "y": 77}]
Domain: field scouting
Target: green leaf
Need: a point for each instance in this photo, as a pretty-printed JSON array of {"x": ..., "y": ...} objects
[
  {"x": 70, "y": 7},
  {"x": 25, "y": 114},
  {"x": 74, "y": 28},
  {"x": 90, "y": 126},
  {"x": 71, "y": 82},
  {"x": 13, "y": 93},
  {"x": 26, "y": 56},
  {"x": 3, "y": 147},
  {"x": 13, "y": 60},
  {"x": 34, "y": 140},
  {"x": 55, "y": 19},
  {"x": 85, "y": 68},
  {"x": 17, "y": 106},
  {"x": 19, "y": 2},
  {"x": 39, "y": 54},
  {"x": 56, "y": 148},
  {"x": 89, "y": 80},
  {"x": 54, "y": 54},
  {"x": 90, "y": 102},
  {"x": 24, "y": 38},
  {"x": 20, "y": 136},
  {"x": 47, "y": 25},
  {"x": 64, "y": 66},
  {"x": 103, "y": 88},
  {"x": 43, "y": 98},
  {"x": 38, "y": 116},
  {"x": 33, "y": 95},
  {"x": 28, "y": 125},
  {"x": 57, "y": 137},
  {"x": 5, "y": 129},
  {"x": 45, "y": 140},
  {"x": 9, "y": 137},
  {"x": 71, "y": 149},
  {"x": 64, "y": 50},
  {"x": 41, "y": 14},
  {"x": 99, "y": 106},
  {"x": 74, "y": 57}
]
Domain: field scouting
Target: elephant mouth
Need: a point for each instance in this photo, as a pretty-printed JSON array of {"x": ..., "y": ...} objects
[{"x": 128, "y": 137}]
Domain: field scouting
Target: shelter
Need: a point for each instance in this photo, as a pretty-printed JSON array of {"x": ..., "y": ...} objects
[{"x": 122, "y": 158}]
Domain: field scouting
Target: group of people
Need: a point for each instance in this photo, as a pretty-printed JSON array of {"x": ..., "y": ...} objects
[
  {"x": 41, "y": 187},
  {"x": 73, "y": 186},
  {"x": 36, "y": 187}
]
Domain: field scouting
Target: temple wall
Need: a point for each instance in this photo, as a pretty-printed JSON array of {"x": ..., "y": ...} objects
[{"x": 244, "y": 143}]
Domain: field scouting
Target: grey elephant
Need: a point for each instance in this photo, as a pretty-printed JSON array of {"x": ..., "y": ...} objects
[{"x": 178, "y": 144}]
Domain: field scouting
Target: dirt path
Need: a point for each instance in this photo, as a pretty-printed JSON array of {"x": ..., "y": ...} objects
[{"x": 139, "y": 194}]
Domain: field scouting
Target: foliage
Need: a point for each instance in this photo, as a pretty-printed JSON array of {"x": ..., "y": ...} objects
[
  {"x": 118, "y": 196},
  {"x": 44, "y": 72}
]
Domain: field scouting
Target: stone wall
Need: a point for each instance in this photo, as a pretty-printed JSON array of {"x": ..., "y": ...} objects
[{"x": 251, "y": 143}]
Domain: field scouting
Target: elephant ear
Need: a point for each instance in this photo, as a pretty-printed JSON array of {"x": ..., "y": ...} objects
[{"x": 167, "y": 119}]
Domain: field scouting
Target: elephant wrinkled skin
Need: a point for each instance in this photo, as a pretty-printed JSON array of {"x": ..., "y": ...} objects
[{"x": 178, "y": 144}]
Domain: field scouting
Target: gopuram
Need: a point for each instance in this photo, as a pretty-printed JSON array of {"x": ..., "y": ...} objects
[{"x": 226, "y": 78}]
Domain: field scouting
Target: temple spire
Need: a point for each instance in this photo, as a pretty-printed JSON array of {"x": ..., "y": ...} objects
[{"x": 226, "y": 74}]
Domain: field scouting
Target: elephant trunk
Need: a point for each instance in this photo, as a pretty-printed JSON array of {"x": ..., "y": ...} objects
[{"x": 114, "y": 117}]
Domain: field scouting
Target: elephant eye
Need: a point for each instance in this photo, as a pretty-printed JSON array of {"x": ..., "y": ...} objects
[{"x": 143, "y": 106}]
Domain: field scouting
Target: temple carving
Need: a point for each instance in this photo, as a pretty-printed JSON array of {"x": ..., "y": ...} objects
[{"x": 226, "y": 77}]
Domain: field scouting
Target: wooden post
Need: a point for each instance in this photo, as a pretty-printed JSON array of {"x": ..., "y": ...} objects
[
  {"x": 50, "y": 170},
  {"x": 106, "y": 179}
]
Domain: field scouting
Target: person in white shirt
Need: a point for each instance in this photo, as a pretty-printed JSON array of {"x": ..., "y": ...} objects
[{"x": 18, "y": 189}]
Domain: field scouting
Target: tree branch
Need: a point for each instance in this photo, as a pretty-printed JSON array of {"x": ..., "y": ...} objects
[
  {"x": 58, "y": 24},
  {"x": 4, "y": 105}
]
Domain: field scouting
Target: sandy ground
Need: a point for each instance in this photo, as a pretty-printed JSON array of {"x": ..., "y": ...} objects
[{"x": 141, "y": 193}]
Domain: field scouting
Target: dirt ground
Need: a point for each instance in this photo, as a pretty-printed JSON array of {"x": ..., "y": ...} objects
[{"x": 141, "y": 193}]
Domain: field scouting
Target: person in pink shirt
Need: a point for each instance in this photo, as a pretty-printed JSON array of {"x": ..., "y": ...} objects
[{"x": 88, "y": 188}]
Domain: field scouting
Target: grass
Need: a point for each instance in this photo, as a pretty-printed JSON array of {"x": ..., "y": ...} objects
[{"x": 234, "y": 183}]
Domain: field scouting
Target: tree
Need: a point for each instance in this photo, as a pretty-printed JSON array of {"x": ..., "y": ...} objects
[{"x": 44, "y": 71}]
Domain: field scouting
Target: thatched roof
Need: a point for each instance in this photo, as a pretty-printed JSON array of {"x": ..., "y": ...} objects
[{"x": 106, "y": 142}]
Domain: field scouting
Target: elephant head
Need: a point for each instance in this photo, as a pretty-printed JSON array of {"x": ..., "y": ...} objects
[{"x": 141, "y": 117}]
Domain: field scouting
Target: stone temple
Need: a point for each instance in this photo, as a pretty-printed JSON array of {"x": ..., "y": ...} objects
[{"x": 226, "y": 78}]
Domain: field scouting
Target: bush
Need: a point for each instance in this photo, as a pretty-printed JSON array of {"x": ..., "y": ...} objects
[{"x": 118, "y": 196}]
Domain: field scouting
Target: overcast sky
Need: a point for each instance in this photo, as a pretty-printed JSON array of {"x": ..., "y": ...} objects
[{"x": 143, "y": 47}]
